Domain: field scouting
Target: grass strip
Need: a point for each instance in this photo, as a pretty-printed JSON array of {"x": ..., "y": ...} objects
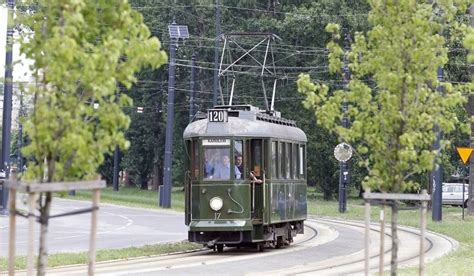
[
  {"x": 133, "y": 197},
  {"x": 62, "y": 259}
]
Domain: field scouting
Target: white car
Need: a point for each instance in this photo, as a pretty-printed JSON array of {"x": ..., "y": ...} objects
[{"x": 452, "y": 193}]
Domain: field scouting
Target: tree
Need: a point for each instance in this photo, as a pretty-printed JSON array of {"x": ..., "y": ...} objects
[
  {"x": 81, "y": 50},
  {"x": 393, "y": 105},
  {"x": 144, "y": 131}
]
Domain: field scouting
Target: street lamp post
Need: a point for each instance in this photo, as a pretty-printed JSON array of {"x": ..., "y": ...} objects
[
  {"x": 7, "y": 109},
  {"x": 176, "y": 32},
  {"x": 344, "y": 165}
]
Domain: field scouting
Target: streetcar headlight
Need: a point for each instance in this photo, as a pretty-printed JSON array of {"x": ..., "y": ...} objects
[{"x": 216, "y": 203}]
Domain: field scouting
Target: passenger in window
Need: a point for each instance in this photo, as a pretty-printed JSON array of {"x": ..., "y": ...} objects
[
  {"x": 239, "y": 167},
  {"x": 208, "y": 166},
  {"x": 222, "y": 170},
  {"x": 254, "y": 178},
  {"x": 208, "y": 169}
]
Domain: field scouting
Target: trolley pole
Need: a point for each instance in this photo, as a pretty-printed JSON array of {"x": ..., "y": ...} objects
[
  {"x": 216, "y": 53},
  {"x": 437, "y": 175},
  {"x": 344, "y": 166},
  {"x": 192, "y": 88},
  {"x": 7, "y": 109}
]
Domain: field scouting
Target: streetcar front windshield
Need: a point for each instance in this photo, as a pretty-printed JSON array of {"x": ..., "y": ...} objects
[{"x": 217, "y": 163}]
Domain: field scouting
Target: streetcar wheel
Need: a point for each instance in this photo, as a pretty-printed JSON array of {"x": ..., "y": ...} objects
[
  {"x": 260, "y": 247},
  {"x": 279, "y": 242},
  {"x": 220, "y": 248}
]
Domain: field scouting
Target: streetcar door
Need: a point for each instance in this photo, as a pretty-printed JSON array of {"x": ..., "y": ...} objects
[
  {"x": 256, "y": 168},
  {"x": 192, "y": 175}
]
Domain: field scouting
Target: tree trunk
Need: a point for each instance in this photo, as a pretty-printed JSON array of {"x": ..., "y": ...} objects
[
  {"x": 394, "y": 261},
  {"x": 144, "y": 183},
  {"x": 43, "y": 250},
  {"x": 156, "y": 177},
  {"x": 361, "y": 191},
  {"x": 127, "y": 178}
]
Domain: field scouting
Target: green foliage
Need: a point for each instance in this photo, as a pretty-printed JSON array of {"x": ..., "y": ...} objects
[
  {"x": 145, "y": 131},
  {"x": 81, "y": 50},
  {"x": 392, "y": 97}
]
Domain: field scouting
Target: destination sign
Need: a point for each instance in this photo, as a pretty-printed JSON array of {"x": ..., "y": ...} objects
[
  {"x": 216, "y": 142},
  {"x": 218, "y": 115}
]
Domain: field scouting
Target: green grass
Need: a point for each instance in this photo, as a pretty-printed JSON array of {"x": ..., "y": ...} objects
[
  {"x": 133, "y": 197},
  {"x": 460, "y": 262},
  {"x": 105, "y": 255}
]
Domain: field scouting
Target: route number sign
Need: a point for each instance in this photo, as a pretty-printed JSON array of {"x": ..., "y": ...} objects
[{"x": 218, "y": 115}]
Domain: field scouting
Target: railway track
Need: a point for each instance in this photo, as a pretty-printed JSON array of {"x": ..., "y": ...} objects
[
  {"x": 436, "y": 245},
  {"x": 322, "y": 250}
]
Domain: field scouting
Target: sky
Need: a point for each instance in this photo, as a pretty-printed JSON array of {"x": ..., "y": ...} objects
[
  {"x": 19, "y": 70},
  {"x": 3, "y": 30}
]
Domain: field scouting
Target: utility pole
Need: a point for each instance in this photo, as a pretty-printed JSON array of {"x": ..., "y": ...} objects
[
  {"x": 175, "y": 32},
  {"x": 115, "y": 182},
  {"x": 437, "y": 174},
  {"x": 216, "y": 53},
  {"x": 20, "y": 135},
  {"x": 192, "y": 88},
  {"x": 344, "y": 165},
  {"x": 471, "y": 113},
  {"x": 7, "y": 108}
]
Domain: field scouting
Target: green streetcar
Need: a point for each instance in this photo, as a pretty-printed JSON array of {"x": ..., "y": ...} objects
[{"x": 246, "y": 183}]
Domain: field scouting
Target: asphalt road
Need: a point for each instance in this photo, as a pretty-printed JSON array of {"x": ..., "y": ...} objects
[
  {"x": 328, "y": 247},
  {"x": 118, "y": 227}
]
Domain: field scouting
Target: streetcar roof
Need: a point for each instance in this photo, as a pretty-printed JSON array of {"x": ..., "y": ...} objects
[{"x": 245, "y": 125}]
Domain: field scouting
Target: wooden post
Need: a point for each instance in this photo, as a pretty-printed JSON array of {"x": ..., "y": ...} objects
[
  {"x": 382, "y": 238},
  {"x": 12, "y": 236},
  {"x": 92, "y": 244},
  {"x": 367, "y": 234},
  {"x": 422, "y": 234},
  {"x": 30, "y": 259}
]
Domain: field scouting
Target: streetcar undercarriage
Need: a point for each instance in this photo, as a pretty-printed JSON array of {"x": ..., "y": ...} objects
[{"x": 273, "y": 235}]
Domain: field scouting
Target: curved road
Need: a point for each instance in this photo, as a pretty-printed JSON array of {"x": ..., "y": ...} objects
[
  {"x": 328, "y": 247},
  {"x": 118, "y": 227}
]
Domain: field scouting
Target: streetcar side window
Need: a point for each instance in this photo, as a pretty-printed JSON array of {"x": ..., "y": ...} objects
[
  {"x": 217, "y": 163},
  {"x": 287, "y": 160},
  {"x": 281, "y": 160},
  {"x": 238, "y": 159},
  {"x": 256, "y": 161},
  {"x": 297, "y": 161},
  {"x": 195, "y": 159},
  {"x": 302, "y": 156},
  {"x": 294, "y": 158},
  {"x": 274, "y": 159}
]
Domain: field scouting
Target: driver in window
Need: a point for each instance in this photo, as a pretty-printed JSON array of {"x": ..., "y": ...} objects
[
  {"x": 222, "y": 170},
  {"x": 239, "y": 167}
]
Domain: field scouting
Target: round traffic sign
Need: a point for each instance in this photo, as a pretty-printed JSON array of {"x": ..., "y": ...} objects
[{"x": 343, "y": 152}]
